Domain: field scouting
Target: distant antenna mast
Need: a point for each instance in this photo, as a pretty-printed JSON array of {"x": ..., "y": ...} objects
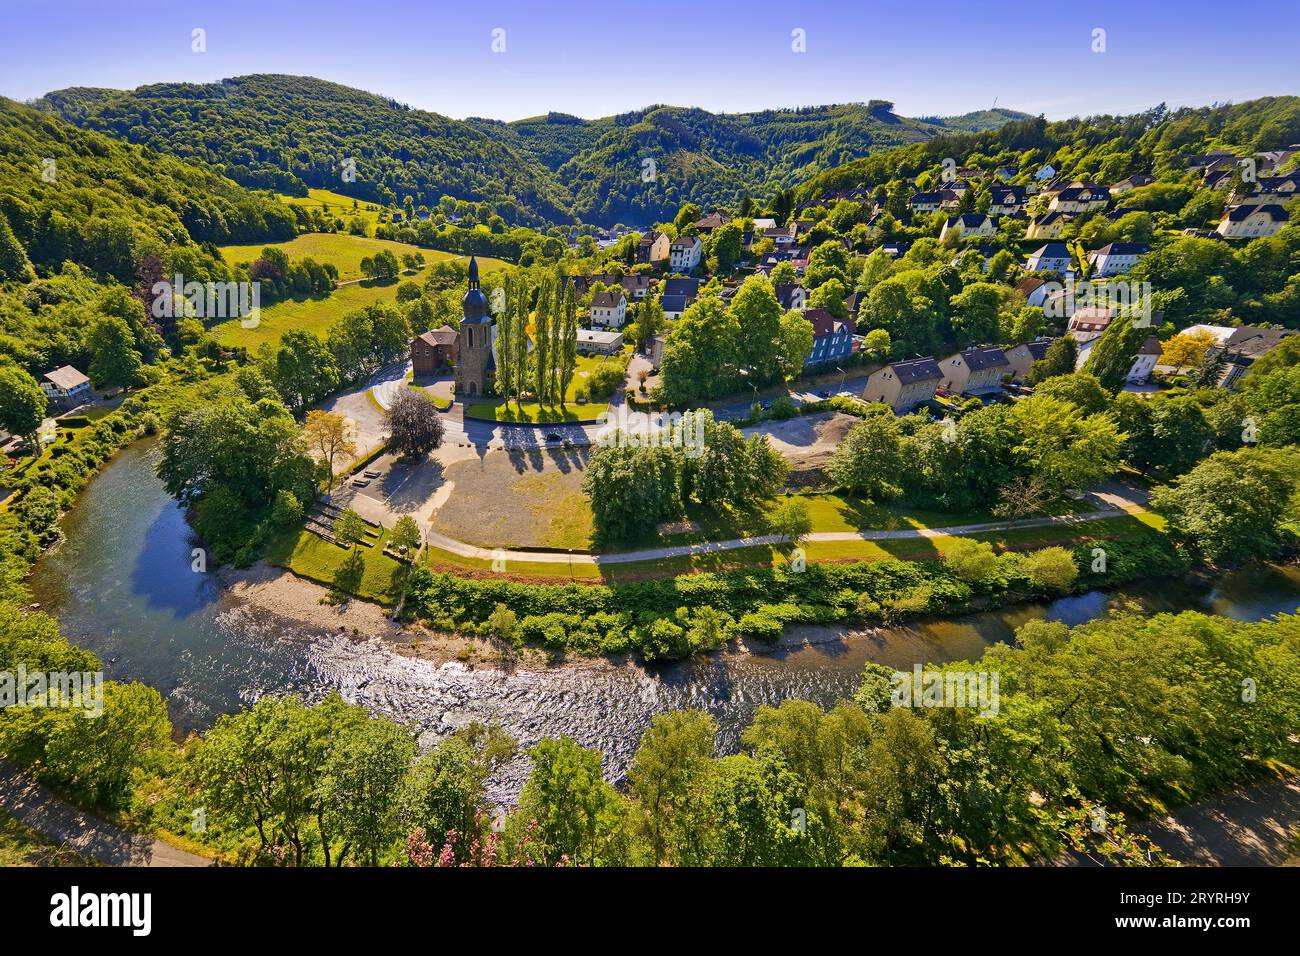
[{"x": 995, "y": 104}]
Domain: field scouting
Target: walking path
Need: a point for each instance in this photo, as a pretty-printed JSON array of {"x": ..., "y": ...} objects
[
  {"x": 40, "y": 808},
  {"x": 444, "y": 543}
]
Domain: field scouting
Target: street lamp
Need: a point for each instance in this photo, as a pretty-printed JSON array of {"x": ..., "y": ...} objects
[{"x": 843, "y": 376}]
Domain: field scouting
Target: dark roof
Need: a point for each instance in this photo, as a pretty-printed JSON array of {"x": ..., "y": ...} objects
[
  {"x": 684, "y": 241},
  {"x": 785, "y": 293},
  {"x": 1252, "y": 343},
  {"x": 1123, "y": 249},
  {"x": 824, "y": 323},
  {"x": 982, "y": 357},
  {"x": 1038, "y": 348},
  {"x": 1052, "y": 250},
  {"x": 1238, "y": 213},
  {"x": 917, "y": 370},
  {"x": 674, "y": 303},
  {"x": 687, "y": 287},
  {"x": 607, "y": 300},
  {"x": 1151, "y": 346}
]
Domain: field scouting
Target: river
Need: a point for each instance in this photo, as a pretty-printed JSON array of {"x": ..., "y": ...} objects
[{"x": 122, "y": 585}]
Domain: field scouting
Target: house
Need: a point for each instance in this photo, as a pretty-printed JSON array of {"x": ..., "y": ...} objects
[
  {"x": 903, "y": 385},
  {"x": 1272, "y": 159},
  {"x": 608, "y": 310},
  {"x": 1250, "y": 222},
  {"x": 714, "y": 220},
  {"x": 1274, "y": 189},
  {"x": 763, "y": 225},
  {"x": 1046, "y": 173},
  {"x": 1080, "y": 199},
  {"x": 1049, "y": 225},
  {"x": 832, "y": 338},
  {"x": 1021, "y": 357},
  {"x": 1145, "y": 360},
  {"x": 66, "y": 387},
  {"x": 924, "y": 203},
  {"x": 635, "y": 286},
  {"x": 1116, "y": 258},
  {"x": 1035, "y": 290},
  {"x": 685, "y": 253},
  {"x": 975, "y": 370},
  {"x": 1053, "y": 257},
  {"x": 1242, "y": 346},
  {"x": 676, "y": 296},
  {"x": 1130, "y": 184},
  {"x": 434, "y": 351},
  {"x": 1091, "y": 320},
  {"x": 599, "y": 342},
  {"x": 1007, "y": 200},
  {"x": 790, "y": 295},
  {"x": 967, "y": 226},
  {"x": 653, "y": 247}
]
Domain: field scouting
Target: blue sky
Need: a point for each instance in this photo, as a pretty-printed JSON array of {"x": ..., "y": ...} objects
[{"x": 594, "y": 59}]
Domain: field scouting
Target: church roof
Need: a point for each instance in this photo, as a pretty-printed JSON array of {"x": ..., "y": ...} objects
[{"x": 474, "y": 305}]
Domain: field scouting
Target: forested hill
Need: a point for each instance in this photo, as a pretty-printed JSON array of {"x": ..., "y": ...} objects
[
  {"x": 289, "y": 133},
  {"x": 709, "y": 158},
  {"x": 1103, "y": 149},
  {"x": 68, "y": 194}
]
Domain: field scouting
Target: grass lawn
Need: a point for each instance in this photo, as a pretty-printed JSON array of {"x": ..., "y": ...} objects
[
  {"x": 336, "y": 204},
  {"x": 533, "y": 412},
  {"x": 312, "y": 315},
  {"x": 20, "y": 845},
  {"x": 344, "y": 251},
  {"x": 367, "y": 573}
]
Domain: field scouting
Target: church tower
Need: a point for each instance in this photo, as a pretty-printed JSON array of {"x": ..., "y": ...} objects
[{"x": 476, "y": 367}]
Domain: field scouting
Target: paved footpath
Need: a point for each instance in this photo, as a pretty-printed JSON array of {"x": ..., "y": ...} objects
[
  {"x": 40, "y": 808},
  {"x": 444, "y": 543}
]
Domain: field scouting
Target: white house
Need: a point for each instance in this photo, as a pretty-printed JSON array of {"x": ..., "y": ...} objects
[
  {"x": 1080, "y": 199},
  {"x": 66, "y": 387},
  {"x": 599, "y": 342},
  {"x": 1116, "y": 258},
  {"x": 1251, "y": 222},
  {"x": 967, "y": 226},
  {"x": 608, "y": 310},
  {"x": 1053, "y": 257},
  {"x": 686, "y": 251},
  {"x": 1046, "y": 173},
  {"x": 1006, "y": 200}
]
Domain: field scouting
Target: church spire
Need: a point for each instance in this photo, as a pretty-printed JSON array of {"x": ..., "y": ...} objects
[{"x": 473, "y": 273}]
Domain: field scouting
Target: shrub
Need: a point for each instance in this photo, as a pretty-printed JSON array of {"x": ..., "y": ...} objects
[
  {"x": 972, "y": 561},
  {"x": 1051, "y": 569}
]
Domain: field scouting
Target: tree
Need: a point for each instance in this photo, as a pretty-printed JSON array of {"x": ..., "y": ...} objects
[
  {"x": 975, "y": 313},
  {"x": 869, "y": 460},
  {"x": 114, "y": 361},
  {"x": 790, "y": 519},
  {"x": 877, "y": 345},
  {"x": 1112, "y": 356},
  {"x": 361, "y": 785},
  {"x": 1051, "y": 569},
  {"x": 330, "y": 436},
  {"x": 1081, "y": 388},
  {"x": 14, "y": 263},
  {"x": 632, "y": 488},
  {"x": 1230, "y": 506},
  {"x": 1059, "y": 359},
  {"x": 302, "y": 369},
  {"x": 668, "y": 773},
  {"x": 22, "y": 403},
  {"x": 575, "y": 810},
  {"x": 701, "y": 353},
  {"x": 1062, "y": 446},
  {"x": 405, "y": 536},
  {"x": 797, "y": 337},
  {"x": 973, "y": 561},
  {"x": 758, "y": 316},
  {"x": 414, "y": 426},
  {"x": 567, "y": 347},
  {"x": 1187, "y": 349},
  {"x": 350, "y": 528}
]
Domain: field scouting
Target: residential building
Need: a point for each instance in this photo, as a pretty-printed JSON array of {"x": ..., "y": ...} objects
[
  {"x": 434, "y": 351},
  {"x": 66, "y": 387},
  {"x": 1144, "y": 361},
  {"x": 904, "y": 385},
  {"x": 1242, "y": 347},
  {"x": 968, "y": 226},
  {"x": 714, "y": 220},
  {"x": 599, "y": 342},
  {"x": 1116, "y": 258},
  {"x": 832, "y": 338},
  {"x": 653, "y": 247},
  {"x": 608, "y": 310},
  {"x": 1049, "y": 225},
  {"x": 676, "y": 295},
  {"x": 1080, "y": 199},
  {"x": 1021, "y": 357},
  {"x": 974, "y": 370},
  {"x": 1053, "y": 257},
  {"x": 657, "y": 350},
  {"x": 1251, "y": 222},
  {"x": 1035, "y": 290},
  {"x": 1007, "y": 200},
  {"x": 1046, "y": 173},
  {"x": 1130, "y": 184},
  {"x": 924, "y": 203},
  {"x": 790, "y": 295},
  {"x": 686, "y": 252}
]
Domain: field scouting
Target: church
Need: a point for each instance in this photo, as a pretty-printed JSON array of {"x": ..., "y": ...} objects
[{"x": 476, "y": 366}]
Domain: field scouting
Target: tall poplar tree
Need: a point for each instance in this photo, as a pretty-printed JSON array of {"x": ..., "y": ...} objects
[
  {"x": 542, "y": 342},
  {"x": 568, "y": 346},
  {"x": 505, "y": 342}
]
